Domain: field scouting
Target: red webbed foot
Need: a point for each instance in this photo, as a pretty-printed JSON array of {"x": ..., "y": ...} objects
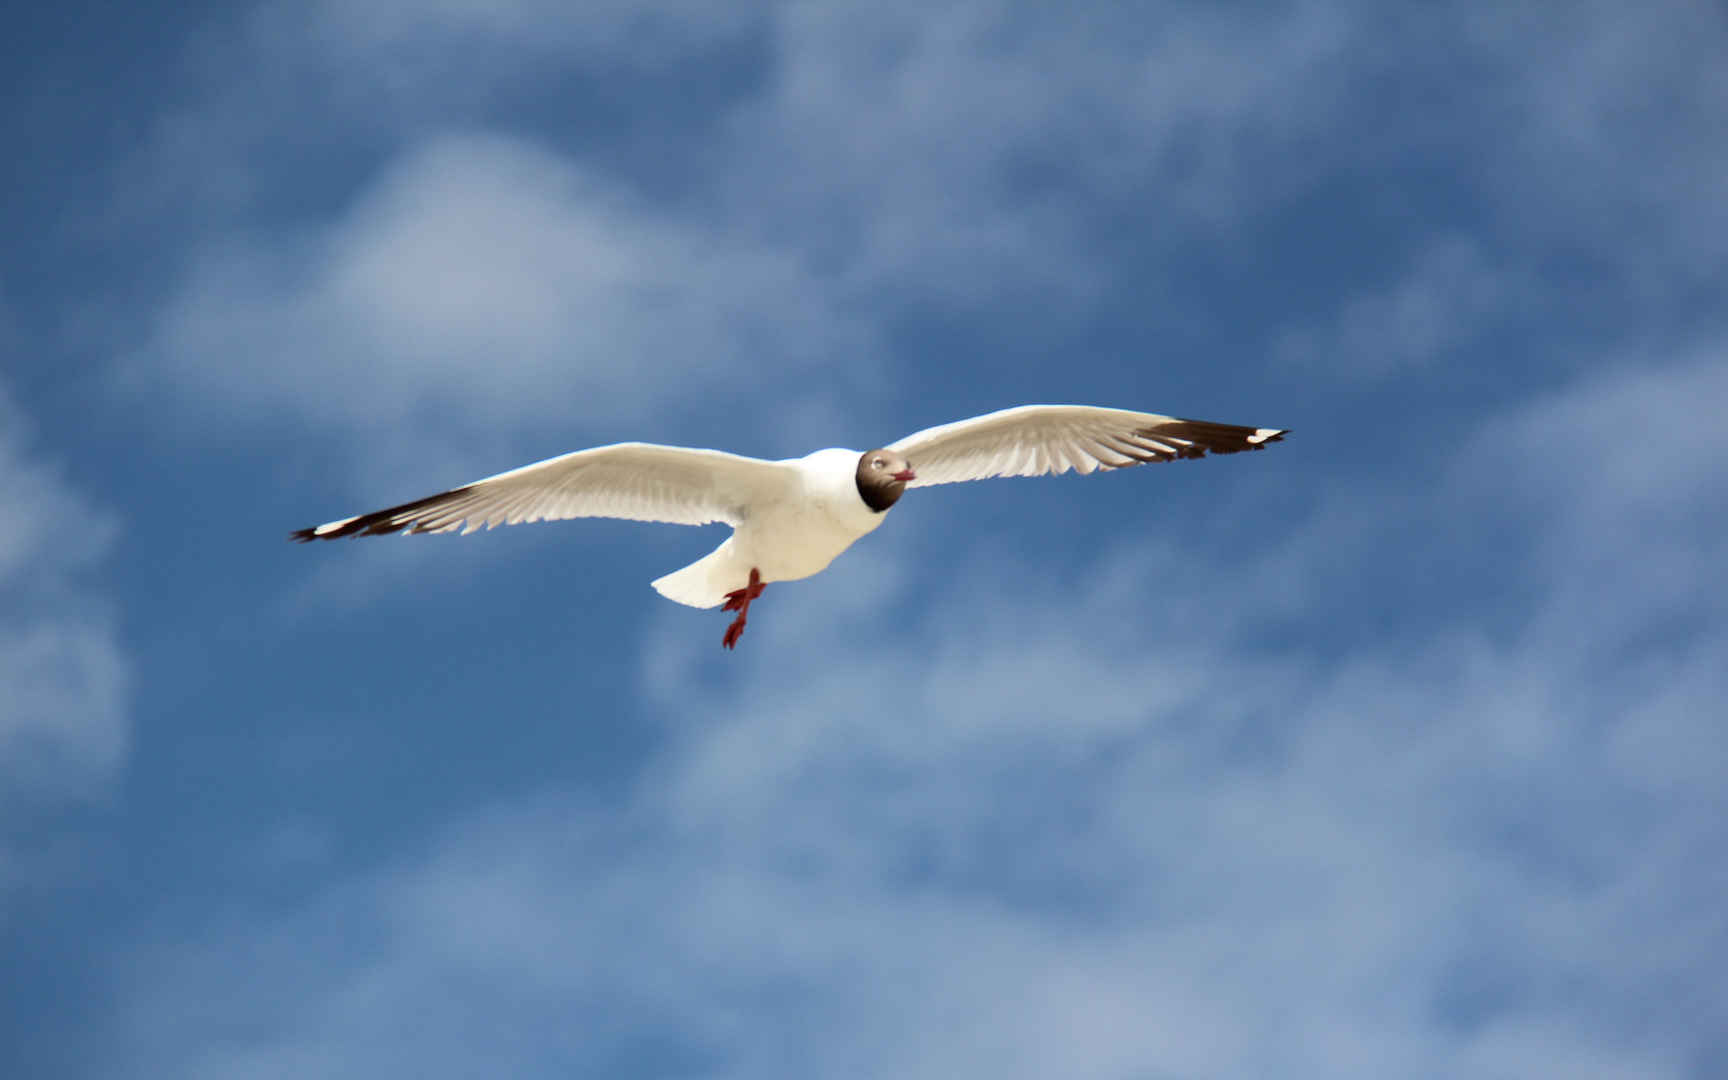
[
  {"x": 733, "y": 633},
  {"x": 739, "y": 600}
]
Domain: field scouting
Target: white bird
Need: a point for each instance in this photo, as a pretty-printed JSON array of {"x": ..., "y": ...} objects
[{"x": 791, "y": 518}]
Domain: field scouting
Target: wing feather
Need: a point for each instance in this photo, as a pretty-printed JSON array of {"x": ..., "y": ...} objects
[
  {"x": 1038, "y": 440},
  {"x": 635, "y": 481}
]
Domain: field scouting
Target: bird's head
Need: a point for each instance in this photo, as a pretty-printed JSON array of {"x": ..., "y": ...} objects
[{"x": 882, "y": 476}]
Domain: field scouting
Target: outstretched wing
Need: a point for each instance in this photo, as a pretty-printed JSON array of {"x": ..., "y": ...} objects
[
  {"x": 1034, "y": 440},
  {"x": 637, "y": 481}
]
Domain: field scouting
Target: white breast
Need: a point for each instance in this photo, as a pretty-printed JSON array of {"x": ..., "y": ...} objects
[{"x": 798, "y": 537}]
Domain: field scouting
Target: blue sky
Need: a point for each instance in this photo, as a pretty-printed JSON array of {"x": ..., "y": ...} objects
[{"x": 1397, "y": 750}]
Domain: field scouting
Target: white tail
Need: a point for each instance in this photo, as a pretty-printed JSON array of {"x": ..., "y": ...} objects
[{"x": 705, "y": 582}]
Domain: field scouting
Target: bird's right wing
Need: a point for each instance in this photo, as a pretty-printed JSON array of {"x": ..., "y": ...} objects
[
  {"x": 1035, "y": 440},
  {"x": 637, "y": 481}
]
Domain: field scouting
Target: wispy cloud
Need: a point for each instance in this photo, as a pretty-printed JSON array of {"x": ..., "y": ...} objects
[
  {"x": 1041, "y": 830},
  {"x": 1408, "y": 767},
  {"x": 882, "y": 161},
  {"x": 532, "y": 31},
  {"x": 1449, "y": 296},
  {"x": 873, "y": 165},
  {"x": 63, "y": 711},
  {"x": 485, "y": 284},
  {"x": 1617, "y": 135},
  {"x": 962, "y": 154}
]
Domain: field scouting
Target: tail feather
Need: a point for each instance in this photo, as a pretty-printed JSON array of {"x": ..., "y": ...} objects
[{"x": 705, "y": 582}]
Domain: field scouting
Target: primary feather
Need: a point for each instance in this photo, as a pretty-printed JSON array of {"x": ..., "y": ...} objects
[
  {"x": 635, "y": 481},
  {"x": 1039, "y": 440}
]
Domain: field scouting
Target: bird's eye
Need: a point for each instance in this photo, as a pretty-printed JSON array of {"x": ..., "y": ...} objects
[{"x": 877, "y": 463}]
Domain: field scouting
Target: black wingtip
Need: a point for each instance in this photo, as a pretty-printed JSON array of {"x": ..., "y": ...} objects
[
  {"x": 1205, "y": 437},
  {"x": 380, "y": 522}
]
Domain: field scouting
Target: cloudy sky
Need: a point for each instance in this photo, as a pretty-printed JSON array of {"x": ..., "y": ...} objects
[{"x": 1397, "y": 750}]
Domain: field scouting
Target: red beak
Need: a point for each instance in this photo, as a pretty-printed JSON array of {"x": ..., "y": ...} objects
[{"x": 904, "y": 475}]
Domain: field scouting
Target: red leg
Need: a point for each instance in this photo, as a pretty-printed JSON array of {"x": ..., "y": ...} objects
[{"x": 739, "y": 600}]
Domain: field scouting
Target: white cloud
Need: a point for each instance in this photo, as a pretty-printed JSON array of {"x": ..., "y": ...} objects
[
  {"x": 1617, "y": 138},
  {"x": 1228, "y": 814},
  {"x": 484, "y": 289},
  {"x": 544, "y": 31},
  {"x": 64, "y": 674},
  {"x": 1441, "y": 304},
  {"x": 1041, "y": 830},
  {"x": 955, "y": 155},
  {"x": 888, "y": 159},
  {"x": 63, "y": 729},
  {"x": 946, "y": 156}
]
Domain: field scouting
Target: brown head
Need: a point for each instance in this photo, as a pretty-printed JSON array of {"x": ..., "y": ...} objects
[{"x": 882, "y": 476}]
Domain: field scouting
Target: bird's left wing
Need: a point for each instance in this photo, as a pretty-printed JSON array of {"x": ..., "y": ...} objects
[
  {"x": 1035, "y": 440},
  {"x": 637, "y": 481}
]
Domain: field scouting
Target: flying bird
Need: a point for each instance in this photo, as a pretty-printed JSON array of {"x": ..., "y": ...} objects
[{"x": 791, "y": 518}]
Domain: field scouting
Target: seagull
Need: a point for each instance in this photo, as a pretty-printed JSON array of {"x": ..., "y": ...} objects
[{"x": 791, "y": 518}]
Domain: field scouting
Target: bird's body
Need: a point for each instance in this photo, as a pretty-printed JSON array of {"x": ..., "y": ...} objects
[
  {"x": 792, "y": 518},
  {"x": 784, "y": 539}
]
